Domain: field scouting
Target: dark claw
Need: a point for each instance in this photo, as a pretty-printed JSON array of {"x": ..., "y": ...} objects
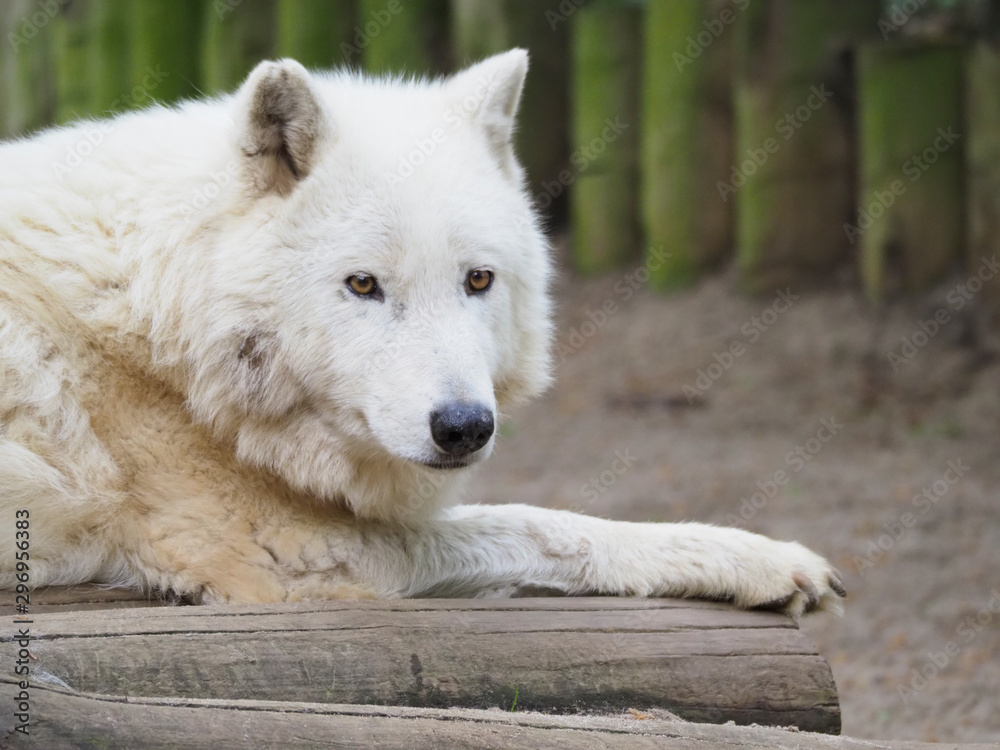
[
  {"x": 808, "y": 588},
  {"x": 837, "y": 585}
]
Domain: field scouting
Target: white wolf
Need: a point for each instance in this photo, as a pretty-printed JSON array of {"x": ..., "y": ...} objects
[{"x": 252, "y": 348}]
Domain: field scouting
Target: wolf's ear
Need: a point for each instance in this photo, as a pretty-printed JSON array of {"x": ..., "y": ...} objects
[
  {"x": 282, "y": 123},
  {"x": 490, "y": 92}
]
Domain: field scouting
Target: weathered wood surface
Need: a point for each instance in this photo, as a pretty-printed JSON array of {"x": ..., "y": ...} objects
[
  {"x": 79, "y": 598},
  {"x": 64, "y": 719},
  {"x": 701, "y": 660}
]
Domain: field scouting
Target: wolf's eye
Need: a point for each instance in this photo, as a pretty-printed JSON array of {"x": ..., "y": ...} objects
[
  {"x": 364, "y": 285},
  {"x": 478, "y": 280}
]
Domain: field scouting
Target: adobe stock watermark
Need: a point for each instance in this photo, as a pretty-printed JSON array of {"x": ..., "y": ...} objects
[
  {"x": 625, "y": 288},
  {"x": 751, "y": 331},
  {"x": 928, "y": 497},
  {"x": 33, "y": 23},
  {"x": 217, "y": 182},
  {"x": 913, "y": 168},
  {"x": 897, "y": 16},
  {"x": 697, "y": 44},
  {"x": 223, "y": 8},
  {"x": 426, "y": 492},
  {"x": 600, "y": 484},
  {"x": 957, "y": 298},
  {"x": 795, "y": 460},
  {"x": 581, "y": 159},
  {"x": 786, "y": 127},
  {"x": 937, "y": 661},
  {"x": 563, "y": 11}
]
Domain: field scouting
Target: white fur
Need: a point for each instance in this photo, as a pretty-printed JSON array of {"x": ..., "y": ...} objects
[{"x": 192, "y": 399}]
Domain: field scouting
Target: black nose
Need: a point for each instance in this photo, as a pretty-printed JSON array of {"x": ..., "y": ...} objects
[{"x": 460, "y": 429}]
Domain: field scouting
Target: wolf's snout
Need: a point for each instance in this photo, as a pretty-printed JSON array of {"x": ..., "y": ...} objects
[{"x": 460, "y": 429}]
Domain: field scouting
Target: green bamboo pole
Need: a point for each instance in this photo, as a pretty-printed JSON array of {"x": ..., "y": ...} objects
[
  {"x": 163, "y": 51},
  {"x": 403, "y": 36},
  {"x": 71, "y": 52},
  {"x": 604, "y": 197},
  {"x": 982, "y": 153},
  {"x": 30, "y": 102},
  {"x": 909, "y": 223},
  {"x": 687, "y": 135},
  {"x": 792, "y": 177},
  {"x": 484, "y": 27},
  {"x": 317, "y": 33},
  {"x": 109, "y": 72},
  {"x": 235, "y": 41}
]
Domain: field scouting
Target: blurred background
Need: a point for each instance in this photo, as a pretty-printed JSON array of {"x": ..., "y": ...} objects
[{"x": 777, "y": 223}]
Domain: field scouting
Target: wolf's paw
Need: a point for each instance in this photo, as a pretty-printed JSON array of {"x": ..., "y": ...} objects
[{"x": 794, "y": 580}]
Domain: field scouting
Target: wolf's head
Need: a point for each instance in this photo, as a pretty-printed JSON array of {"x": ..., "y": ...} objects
[{"x": 379, "y": 290}]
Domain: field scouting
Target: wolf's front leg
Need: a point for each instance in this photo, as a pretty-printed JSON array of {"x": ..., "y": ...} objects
[{"x": 478, "y": 549}]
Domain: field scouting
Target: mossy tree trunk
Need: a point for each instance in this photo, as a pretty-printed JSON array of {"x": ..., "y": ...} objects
[
  {"x": 605, "y": 125},
  {"x": 163, "y": 52},
  {"x": 485, "y": 27},
  {"x": 982, "y": 122},
  {"x": 91, "y": 59},
  {"x": 403, "y": 36},
  {"x": 910, "y": 220},
  {"x": 317, "y": 33},
  {"x": 235, "y": 42},
  {"x": 74, "y": 43},
  {"x": 793, "y": 169},
  {"x": 7, "y": 26},
  {"x": 687, "y": 136},
  {"x": 26, "y": 57},
  {"x": 109, "y": 60}
]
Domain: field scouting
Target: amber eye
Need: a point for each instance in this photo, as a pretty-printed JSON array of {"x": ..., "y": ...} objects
[
  {"x": 363, "y": 284},
  {"x": 478, "y": 280}
]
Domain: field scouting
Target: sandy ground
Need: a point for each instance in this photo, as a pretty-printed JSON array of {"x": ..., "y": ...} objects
[{"x": 856, "y": 483}]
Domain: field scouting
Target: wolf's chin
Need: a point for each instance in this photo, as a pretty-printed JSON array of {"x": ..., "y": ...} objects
[{"x": 447, "y": 465}]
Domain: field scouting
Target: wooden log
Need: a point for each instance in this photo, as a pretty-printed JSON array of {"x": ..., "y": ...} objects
[
  {"x": 62, "y": 718},
  {"x": 794, "y": 158},
  {"x": 910, "y": 219},
  {"x": 687, "y": 136},
  {"x": 702, "y": 660},
  {"x": 605, "y": 124},
  {"x": 404, "y": 37},
  {"x": 79, "y": 598},
  {"x": 317, "y": 33},
  {"x": 234, "y": 42},
  {"x": 164, "y": 35}
]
